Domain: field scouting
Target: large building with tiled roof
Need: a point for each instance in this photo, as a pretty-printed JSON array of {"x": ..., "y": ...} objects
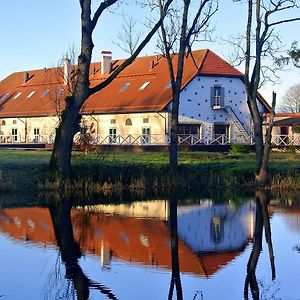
[{"x": 135, "y": 107}]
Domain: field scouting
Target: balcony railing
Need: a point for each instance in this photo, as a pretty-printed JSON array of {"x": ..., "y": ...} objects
[{"x": 152, "y": 139}]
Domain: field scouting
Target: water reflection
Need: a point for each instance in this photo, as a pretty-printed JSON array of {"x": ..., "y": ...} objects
[
  {"x": 175, "y": 278},
  {"x": 60, "y": 213},
  {"x": 262, "y": 220},
  {"x": 198, "y": 239}
]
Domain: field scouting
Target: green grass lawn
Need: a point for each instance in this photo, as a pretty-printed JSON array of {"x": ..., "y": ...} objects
[{"x": 22, "y": 170}]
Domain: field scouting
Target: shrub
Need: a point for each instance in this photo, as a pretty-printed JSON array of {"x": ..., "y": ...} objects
[{"x": 239, "y": 148}]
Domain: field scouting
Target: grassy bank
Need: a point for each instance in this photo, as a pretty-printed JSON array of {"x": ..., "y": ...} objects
[{"x": 106, "y": 172}]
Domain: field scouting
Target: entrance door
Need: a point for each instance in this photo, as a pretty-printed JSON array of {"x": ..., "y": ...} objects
[
  {"x": 146, "y": 135},
  {"x": 113, "y": 135},
  {"x": 284, "y": 135},
  {"x": 36, "y": 133},
  {"x": 14, "y": 135}
]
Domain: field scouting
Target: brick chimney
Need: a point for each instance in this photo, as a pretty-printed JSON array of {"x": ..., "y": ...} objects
[
  {"x": 106, "y": 62},
  {"x": 25, "y": 77},
  {"x": 67, "y": 66}
]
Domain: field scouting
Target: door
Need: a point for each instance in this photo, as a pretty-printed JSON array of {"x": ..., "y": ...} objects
[
  {"x": 146, "y": 135},
  {"x": 36, "y": 135},
  {"x": 14, "y": 135},
  {"x": 112, "y": 135},
  {"x": 284, "y": 135}
]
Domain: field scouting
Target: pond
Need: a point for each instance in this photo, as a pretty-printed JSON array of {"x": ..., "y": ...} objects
[{"x": 195, "y": 249}]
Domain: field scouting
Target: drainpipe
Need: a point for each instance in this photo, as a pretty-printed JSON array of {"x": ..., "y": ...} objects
[
  {"x": 25, "y": 128},
  {"x": 165, "y": 119},
  {"x": 97, "y": 122}
]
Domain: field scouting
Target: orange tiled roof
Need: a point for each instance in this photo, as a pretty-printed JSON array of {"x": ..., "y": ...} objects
[{"x": 155, "y": 96}]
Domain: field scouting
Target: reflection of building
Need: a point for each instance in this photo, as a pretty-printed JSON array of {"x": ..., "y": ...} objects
[
  {"x": 144, "y": 240},
  {"x": 218, "y": 227}
]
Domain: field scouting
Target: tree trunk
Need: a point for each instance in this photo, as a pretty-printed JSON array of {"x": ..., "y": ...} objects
[
  {"x": 173, "y": 159},
  {"x": 62, "y": 149},
  {"x": 263, "y": 176}
]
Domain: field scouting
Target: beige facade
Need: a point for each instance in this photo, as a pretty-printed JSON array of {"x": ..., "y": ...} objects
[
  {"x": 28, "y": 130},
  {"x": 105, "y": 128}
]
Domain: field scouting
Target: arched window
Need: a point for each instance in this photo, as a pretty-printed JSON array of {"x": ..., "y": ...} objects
[
  {"x": 128, "y": 122},
  {"x": 3, "y": 123}
]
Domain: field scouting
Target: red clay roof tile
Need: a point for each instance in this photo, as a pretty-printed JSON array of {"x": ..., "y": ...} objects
[{"x": 154, "y": 97}]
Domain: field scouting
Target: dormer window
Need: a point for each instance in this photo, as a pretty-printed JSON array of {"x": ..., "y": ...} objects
[
  {"x": 125, "y": 86},
  {"x": 3, "y": 97},
  {"x": 17, "y": 95},
  {"x": 30, "y": 94},
  {"x": 59, "y": 92},
  {"x": 144, "y": 85},
  {"x": 44, "y": 93}
]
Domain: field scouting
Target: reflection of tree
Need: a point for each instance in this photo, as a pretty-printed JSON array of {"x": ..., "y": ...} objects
[
  {"x": 60, "y": 212},
  {"x": 175, "y": 279},
  {"x": 262, "y": 220}
]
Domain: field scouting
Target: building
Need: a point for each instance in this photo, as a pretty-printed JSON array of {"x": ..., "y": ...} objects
[
  {"x": 135, "y": 108},
  {"x": 286, "y": 129}
]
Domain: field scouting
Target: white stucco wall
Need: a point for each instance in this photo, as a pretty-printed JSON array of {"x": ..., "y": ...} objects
[{"x": 195, "y": 103}]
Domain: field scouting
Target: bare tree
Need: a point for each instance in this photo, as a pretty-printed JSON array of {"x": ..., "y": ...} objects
[
  {"x": 185, "y": 23},
  {"x": 129, "y": 36},
  {"x": 263, "y": 18},
  {"x": 291, "y": 100},
  {"x": 70, "y": 118}
]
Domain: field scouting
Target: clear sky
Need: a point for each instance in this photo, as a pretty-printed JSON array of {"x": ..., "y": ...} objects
[{"x": 35, "y": 34}]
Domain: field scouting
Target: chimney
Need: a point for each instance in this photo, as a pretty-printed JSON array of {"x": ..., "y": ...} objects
[
  {"x": 106, "y": 62},
  {"x": 67, "y": 65},
  {"x": 26, "y": 76},
  {"x": 151, "y": 64}
]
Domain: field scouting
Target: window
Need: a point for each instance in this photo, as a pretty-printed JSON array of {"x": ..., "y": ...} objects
[
  {"x": 144, "y": 85},
  {"x": 128, "y": 122},
  {"x": 30, "y": 94},
  {"x": 220, "y": 129},
  {"x": 17, "y": 95},
  {"x": 14, "y": 134},
  {"x": 3, "y": 123},
  {"x": 44, "y": 93},
  {"x": 112, "y": 135},
  {"x": 3, "y": 97},
  {"x": 217, "y": 96},
  {"x": 59, "y": 92},
  {"x": 112, "y": 121},
  {"x": 125, "y": 86},
  {"x": 145, "y": 120},
  {"x": 189, "y": 129},
  {"x": 14, "y": 121}
]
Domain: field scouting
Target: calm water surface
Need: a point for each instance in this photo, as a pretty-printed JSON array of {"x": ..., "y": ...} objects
[{"x": 199, "y": 250}]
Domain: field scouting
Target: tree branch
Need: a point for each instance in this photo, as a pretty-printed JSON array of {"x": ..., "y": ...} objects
[{"x": 128, "y": 61}]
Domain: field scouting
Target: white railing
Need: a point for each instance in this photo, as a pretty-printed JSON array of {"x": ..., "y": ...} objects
[
  {"x": 286, "y": 140},
  {"x": 29, "y": 139},
  {"x": 152, "y": 139}
]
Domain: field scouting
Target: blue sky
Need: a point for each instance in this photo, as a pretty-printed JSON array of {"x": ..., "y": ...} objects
[{"x": 35, "y": 34}]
